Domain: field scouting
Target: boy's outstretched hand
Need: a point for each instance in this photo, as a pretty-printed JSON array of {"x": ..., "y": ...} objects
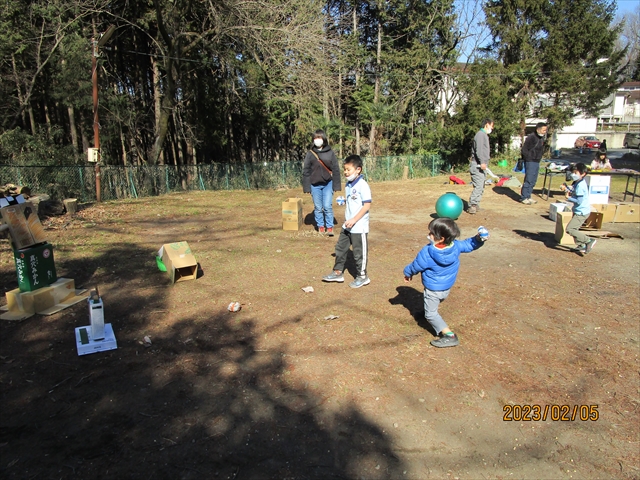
[{"x": 407, "y": 279}]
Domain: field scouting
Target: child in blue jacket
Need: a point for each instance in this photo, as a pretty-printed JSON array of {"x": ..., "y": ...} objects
[
  {"x": 578, "y": 195},
  {"x": 438, "y": 262}
]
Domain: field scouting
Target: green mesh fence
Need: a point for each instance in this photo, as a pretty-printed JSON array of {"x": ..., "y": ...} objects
[
  {"x": 117, "y": 182},
  {"x": 385, "y": 168}
]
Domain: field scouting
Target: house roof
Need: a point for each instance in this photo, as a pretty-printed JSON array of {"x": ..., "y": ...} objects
[{"x": 633, "y": 95}]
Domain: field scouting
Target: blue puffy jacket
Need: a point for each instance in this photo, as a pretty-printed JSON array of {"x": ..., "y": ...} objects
[{"x": 439, "y": 266}]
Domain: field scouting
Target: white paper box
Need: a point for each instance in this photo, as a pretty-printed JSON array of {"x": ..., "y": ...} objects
[
  {"x": 599, "y": 187},
  {"x": 86, "y": 345},
  {"x": 554, "y": 208}
]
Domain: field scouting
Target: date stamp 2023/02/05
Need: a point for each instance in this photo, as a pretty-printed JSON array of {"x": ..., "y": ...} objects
[{"x": 556, "y": 413}]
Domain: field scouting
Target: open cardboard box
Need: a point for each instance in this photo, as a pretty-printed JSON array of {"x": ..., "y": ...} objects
[{"x": 179, "y": 261}]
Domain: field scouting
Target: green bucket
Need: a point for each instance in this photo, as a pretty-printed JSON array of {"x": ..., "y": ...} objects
[{"x": 503, "y": 163}]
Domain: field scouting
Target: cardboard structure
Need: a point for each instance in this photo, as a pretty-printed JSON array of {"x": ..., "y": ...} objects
[
  {"x": 292, "y": 214},
  {"x": 594, "y": 220},
  {"x": 562, "y": 220},
  {"x": 554, "y": 208},
  {"x": 24, "y": 225},
  {"x": 44, "y": 301},
  {"x": 626, "y": 212},
  {"x": 608, "y": 211},
  {"x": 35, "y": 267},
  {"x": 179, "y": 261}
]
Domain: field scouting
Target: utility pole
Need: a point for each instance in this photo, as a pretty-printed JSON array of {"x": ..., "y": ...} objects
[{"x": 95, "y": 44}]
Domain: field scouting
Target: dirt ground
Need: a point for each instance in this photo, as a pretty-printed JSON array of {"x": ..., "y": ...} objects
[{"x": 277, "y": 391}]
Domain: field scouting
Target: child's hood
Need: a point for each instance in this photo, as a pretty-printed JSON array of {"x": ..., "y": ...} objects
[{"x": 443, "y": 256}]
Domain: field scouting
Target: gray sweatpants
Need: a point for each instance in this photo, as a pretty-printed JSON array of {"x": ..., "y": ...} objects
[
  {"x": 478, "y": 178},
  {"x": 432, "y": 300},
  {"x": 573, "y": 229},
  {"x": 360, "y": 251}
]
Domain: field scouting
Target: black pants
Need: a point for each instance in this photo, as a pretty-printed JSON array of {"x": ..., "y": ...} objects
[{"x": 360, "y": 251}]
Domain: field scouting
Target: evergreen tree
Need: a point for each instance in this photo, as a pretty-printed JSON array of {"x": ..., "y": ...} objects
[
  {"x": 580, "y": 63},
  {"x": 570, "y": 47}
]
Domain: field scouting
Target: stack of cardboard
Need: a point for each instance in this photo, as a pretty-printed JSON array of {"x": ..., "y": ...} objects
[
  {"x": 600, "y": 213},
  {"x": 39, "y": 289}
]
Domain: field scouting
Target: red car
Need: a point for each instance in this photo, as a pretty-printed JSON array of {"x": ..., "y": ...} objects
[{"x": 590, "y": 142}]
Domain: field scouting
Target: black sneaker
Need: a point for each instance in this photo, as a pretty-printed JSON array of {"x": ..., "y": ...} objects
[
  {"x": 589, "y": 246},
  {"x": 446, "y": 341}
]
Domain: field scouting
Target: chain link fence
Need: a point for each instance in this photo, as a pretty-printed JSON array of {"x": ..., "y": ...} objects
[{"x": 118, "y": 182}]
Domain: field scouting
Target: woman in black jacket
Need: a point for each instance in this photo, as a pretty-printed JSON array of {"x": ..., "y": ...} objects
[{"x": 320, "y": 178}]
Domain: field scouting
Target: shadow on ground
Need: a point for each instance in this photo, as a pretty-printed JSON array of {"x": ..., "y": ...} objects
[
  {"x": 547, "y": 238},
  {"x": 508, "y": 192},
  {"x": 413, "y": 301},
  {"x": 202, "y": 401}
]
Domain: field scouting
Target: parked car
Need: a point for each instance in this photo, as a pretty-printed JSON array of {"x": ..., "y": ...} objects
[
  {"x": 631, "y": 140},
  {"x": 587, "y": 142}
]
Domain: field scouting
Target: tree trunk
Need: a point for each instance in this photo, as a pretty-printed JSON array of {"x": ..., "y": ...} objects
[
  {"x": 47, "y": 119},
  {"x": 376, "y": 94},
  {"x": 72, "y": 128},
  {"x": 123, "y": 145},
  {"x": 357, "y": 123},
  {"x": 32, "y": 119},
  {"x": 83, "y": 135},
  {"x": 164, "y": 105}
]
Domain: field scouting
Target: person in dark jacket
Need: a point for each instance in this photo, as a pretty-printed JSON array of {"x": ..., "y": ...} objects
[
  {"x": 531, "y": 155},
  {"x": 438, "y": 262},
  {"x": 320, "y": 178}
]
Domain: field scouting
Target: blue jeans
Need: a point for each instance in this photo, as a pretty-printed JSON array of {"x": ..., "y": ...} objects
[
  {"x": 531, "y": 170},
  {"x": 323, "y": 204}
]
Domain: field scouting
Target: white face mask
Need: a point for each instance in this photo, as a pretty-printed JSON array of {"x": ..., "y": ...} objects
[
  {"x": 488, "y": 130},
  {"x": 351, "y": 178},
  {"x": 575, "y": 177},
  {"x": 318, "y": 142}
]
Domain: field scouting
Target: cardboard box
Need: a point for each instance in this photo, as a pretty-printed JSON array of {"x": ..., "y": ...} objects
[
  {"x": 45, "y": 301},
  {"x": 598, "y": 186},
  {"x": 562, "y": 221},
  {"x": 292, "y": 214},
  {"x": 594, "y": 220},
  {"x": 61, "y": 294},
  {"x": 179, "y": 261},
  {"x": 24, "y": 225},
  {"x": 35, "y": 267},
  {"x": 554, "y": 208},
  {"x": 608, "y": 211},
  {"x": 627, "y": 213}
]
